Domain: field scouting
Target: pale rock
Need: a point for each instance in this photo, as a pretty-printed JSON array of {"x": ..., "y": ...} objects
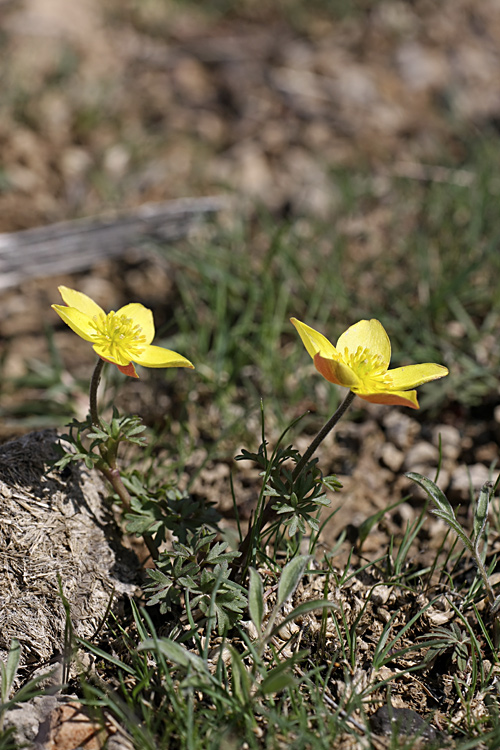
[
  {"x": 421, "y": 67},
  {"x": 487, "y": 453},
  {"x": 400, "y": 429},
  {"x": 116, "y": 160},
  {"x": 392, "y": 457},
  {"x": 451, "y": 440},
  {"x": 465, "y": 478},
  {"x": 438, "y": 616},
  {"x": 75, "y": 162},
  {"x": 406, "y": 512},
  {"x": 253, "y": 172},
  {"x": 421, "y": 454},
  {"x": 381, "y": 594}
]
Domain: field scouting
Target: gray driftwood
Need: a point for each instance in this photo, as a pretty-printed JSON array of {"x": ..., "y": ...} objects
[{"x": 71, "y": 246}]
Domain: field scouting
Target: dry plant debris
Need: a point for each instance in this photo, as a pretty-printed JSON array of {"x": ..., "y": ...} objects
[{"x": 54, "y": 526}]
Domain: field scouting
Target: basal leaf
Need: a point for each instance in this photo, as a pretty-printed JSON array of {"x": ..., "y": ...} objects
[{"x": 290, "y": 577}]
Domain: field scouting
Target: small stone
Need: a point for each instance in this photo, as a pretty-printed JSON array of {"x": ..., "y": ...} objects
[
  {"x": 487, "y": 453},
  {"x": 116, "y": 160},
  {"x": 381, "y": 594},
  {"x": 451, "y": 440},
  {"x": 437, "y": 618},
  {"x": 382, "y": 615},
  {"x": 392, "y": 457},
  {"x": 400, "y": 429},
  {"x": 465, "y": 478},
  {"x": 404, "y": 721},
  {"x": 75, "y": 162},
  {"x": 406, "y": 513},
  {"x": 421, "y": 454},
  {"x": 70, "y": 725},
  {"x": 25, "y": 721}
]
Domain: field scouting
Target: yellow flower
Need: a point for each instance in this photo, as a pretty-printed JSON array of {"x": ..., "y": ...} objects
[
  {"x": 121, "y": 337},
  {"x": 360, "y": 361}
]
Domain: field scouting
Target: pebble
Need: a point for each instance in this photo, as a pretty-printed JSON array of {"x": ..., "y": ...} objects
[
  {"x": 400, "y": 429},
  {"x": 487, "y": 453},
  {"x": 392, "y": 457},
  {"x": 463, "y": 477},
  {"x": 421, "y": 454},
  {"x": 451, "y": 440},
  {"x": 401, "y": 721},
  {"x": 381, "y": 595}
]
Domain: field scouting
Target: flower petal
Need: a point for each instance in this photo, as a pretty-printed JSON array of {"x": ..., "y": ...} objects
[
  {"x": 128, "y": 370},
  {"x": 157, "y": 356},
  {"x": 412, "y": 375},
  {"x": 114, "y": 356},
  {"x": 141, "y": 316},
  {"x": 314, "y": 342},
  {"x": 80, "y": 301},
  {"x": 78, "y": 321},
  {"x": 336, "y": 372},
  {"x": 369, "y": 335},
  {"x": 394, "y": 398}
]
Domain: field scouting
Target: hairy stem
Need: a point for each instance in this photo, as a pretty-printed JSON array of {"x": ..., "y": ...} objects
[
  {"x": 490, "y": 595},
  {"x": 484, "y": 575},
  {"x": 107, "y": 466},
  {"x": 94, "y": 385},
  {"x": 115, "y": 480},
  {"x": 328, "y": 427},
  {"x": 254, "y": 530},
  {"x": 269, "y": 514}
]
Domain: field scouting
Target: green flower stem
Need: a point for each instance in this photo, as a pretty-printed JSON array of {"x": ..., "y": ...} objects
[
  {"x": 487, "y": 585},
  {"x": 328, "y": 427},
  {"x": 107, "y": 466},
  {"x": 94, "y": 385},
  {"x": 490, "y": 594},
  {"x": 484, "y": 575},
  {"x": 269, "y": 514}
]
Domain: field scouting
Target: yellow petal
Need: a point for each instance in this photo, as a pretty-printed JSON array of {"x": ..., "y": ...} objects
[
  {"x": 369, "y": 335},
  {"x": 335, "y": 372},
  {"x": 115, "y": 355},
  {"x": 157, "y": 356},
  {"x": 314, "y": 342},
  {"x": 142, "y": 317},
  {"x": 80, "y": 301},
  {"x": 391, "y": 398},
  {"x": 78, "y": 321},
  {"x": 412, "y": 375}
]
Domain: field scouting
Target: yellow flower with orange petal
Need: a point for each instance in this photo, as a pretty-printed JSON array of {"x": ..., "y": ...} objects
[
  {"x": 360, "y": 362},
  {"x": 122, "y": 337}
]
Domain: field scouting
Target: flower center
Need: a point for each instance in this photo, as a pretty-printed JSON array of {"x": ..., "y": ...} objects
[
  {"x": 120, "y": 336},
  {"x": 368, "y": 367}
]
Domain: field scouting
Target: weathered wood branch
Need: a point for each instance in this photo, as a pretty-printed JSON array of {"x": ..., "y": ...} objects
[{"x": 71, "y": 246}]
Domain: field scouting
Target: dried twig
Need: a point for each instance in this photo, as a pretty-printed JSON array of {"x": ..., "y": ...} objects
[{"x": 72, "y": 246}]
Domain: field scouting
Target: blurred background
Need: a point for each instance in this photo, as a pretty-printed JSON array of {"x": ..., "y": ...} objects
[{"x": 359, "y": 145}]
